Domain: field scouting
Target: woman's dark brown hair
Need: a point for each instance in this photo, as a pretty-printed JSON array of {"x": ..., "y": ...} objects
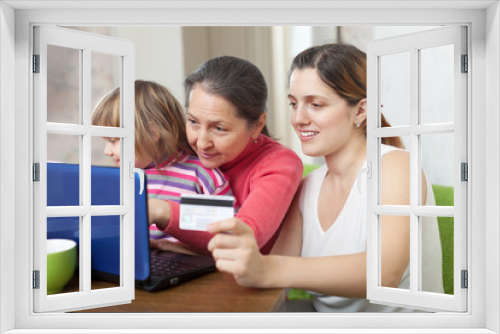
[
  {"x": 343, "y": 68},
  {"x": 236, "y": 80}
]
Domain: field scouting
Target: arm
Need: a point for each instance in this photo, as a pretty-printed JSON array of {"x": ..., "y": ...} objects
[
  {"x": 289, "y": 241},
  {"x": 343, "y": 275},
  {"x": 395, "y": 233},
  {"x": 271, "y": 186},
  {"x": 165, "y": 213},
  {"x": 158, "y": 212},
  {"x": 237, "y": 253}
]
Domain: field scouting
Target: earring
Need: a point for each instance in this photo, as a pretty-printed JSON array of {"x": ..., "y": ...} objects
[
  {"x": 357, "y": 125},
  {"x": 255, "y": 141}
]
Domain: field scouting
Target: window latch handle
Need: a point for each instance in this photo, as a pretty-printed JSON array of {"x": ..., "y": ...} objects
[
  {"x": 367, "y": 170},
  {"x": 141, "y": 175}
]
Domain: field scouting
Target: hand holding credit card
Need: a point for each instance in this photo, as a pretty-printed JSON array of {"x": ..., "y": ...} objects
[{"x": 197, "y": 211}]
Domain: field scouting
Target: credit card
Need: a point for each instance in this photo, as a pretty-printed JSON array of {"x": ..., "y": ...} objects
[{"x": 197, "y": 210}]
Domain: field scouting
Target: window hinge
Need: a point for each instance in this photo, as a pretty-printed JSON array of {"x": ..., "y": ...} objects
[
  {"x": 465, "y": 64},
  {"x": 36, "y": 279},
  {"x": 36, "y": 172},
  {"x": 36, "y": 63},
  {"x": 464, "y": 171},
  {"x": 465, "y": 279}
]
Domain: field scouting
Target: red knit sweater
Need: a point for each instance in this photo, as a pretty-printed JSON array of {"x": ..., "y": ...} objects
[{"x": 264, "y": 179}]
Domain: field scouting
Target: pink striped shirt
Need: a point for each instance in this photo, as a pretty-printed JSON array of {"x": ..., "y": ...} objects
[{"x": 186, "y": 176}]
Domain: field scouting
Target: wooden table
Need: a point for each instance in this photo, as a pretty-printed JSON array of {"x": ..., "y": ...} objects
[{"x": 214, "y": 292}]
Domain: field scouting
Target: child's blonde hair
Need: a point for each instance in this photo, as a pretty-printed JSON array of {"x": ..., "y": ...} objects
[{"x": 160, "y": 126}]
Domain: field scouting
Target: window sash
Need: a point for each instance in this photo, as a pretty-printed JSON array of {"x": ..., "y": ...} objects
[
  {"x": 413, "y": 298},
  {"x": 86, "y": 44}
]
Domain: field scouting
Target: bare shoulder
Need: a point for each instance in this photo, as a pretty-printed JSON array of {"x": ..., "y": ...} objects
[
  {"x": 397, "y": 157},
  {"x": 395, "y": 175}
]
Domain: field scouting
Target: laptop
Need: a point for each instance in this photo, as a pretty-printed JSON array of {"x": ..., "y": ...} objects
[{"x": 154, "y": 269}]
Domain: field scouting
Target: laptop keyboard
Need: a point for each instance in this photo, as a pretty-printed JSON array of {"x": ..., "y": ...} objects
[{"x": 161, "y": 266}]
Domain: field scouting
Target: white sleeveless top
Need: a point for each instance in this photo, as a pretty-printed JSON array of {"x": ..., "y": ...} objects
[{"x": 348, "y": 236}]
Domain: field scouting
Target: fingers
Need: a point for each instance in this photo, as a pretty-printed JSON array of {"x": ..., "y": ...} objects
[
  {"x": 223, "y": 240},
  {"x": 232, "y": 225},
  {"x": 231, "y": 254},
  {"x": 242, "y": 264},
  {"x": 229, "y": 266}
]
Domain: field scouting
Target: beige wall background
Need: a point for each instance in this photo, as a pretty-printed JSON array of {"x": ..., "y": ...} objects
[{"x": 167, "y": 54}]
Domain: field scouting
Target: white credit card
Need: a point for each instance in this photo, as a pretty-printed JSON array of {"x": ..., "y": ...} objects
[{"x": 197, "y": 210}]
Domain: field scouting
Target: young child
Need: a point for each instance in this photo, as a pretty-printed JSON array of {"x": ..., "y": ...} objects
[{"x": 161, "y": 146}]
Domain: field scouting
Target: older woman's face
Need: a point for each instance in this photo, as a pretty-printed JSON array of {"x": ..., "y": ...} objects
[{"x": 214, "y": 131}]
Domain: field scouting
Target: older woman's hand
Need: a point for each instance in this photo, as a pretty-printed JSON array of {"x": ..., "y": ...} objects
[{"x": 235, "y": 251}]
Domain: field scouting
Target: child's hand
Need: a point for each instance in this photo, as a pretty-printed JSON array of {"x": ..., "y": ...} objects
[{"x": 159, "y": 213}]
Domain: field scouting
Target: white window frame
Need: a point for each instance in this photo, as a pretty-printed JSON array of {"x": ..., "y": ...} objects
[
  {"x": 86, "y": 44},
  {"x": 412, "y": 44},
  {"x": 483, "y": 123}
]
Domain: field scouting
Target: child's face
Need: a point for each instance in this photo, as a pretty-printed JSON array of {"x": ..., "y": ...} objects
[{"x": 112, "y": 150}]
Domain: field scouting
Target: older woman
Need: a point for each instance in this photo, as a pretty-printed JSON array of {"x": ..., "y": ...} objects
[{"x": 226, "y": 126}]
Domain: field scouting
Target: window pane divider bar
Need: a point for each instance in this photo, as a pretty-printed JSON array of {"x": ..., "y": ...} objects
[
  {"x": 414, "y": 170},
  {"x": 398, "y": 131},
  {"x": 405, "y": 210},
  {"x": 80, "y": 130},
  {"x": 127, "y": 221},
  {"x": 80, "y": 211},
  {"x": 85, "y": 168}
]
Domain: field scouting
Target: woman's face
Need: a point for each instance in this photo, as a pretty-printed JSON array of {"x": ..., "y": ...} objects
[
  {"x": 323, "y": 121},
  {"x": 214, "y": 131}
]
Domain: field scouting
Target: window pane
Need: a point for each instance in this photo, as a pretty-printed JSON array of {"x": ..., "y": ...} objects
[
  {"x": 395, "y": 88},
  {"x": 388, "y": 199},
  {"x": 437, "y": 254},
  {"x": 105, "y": 248},
  {"x": 63, "y": 148},
  {"x": 436, "y": 85},
  {"x": 99, "y": 158},
  {"x": 63, "y": 85},
  {"x": 107, "y": 112},
  {"x": 62, "y": 255},
  {"x": 63, "y": 171},
  {"x": 391, "y": 227},
  {"x": 105, "y": 77},
  {"x": 105, "y": 175},
  {"x": 437, "y": 152}
]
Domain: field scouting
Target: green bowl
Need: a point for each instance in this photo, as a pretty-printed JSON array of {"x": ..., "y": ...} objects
[{"x": 61, "y": 263}]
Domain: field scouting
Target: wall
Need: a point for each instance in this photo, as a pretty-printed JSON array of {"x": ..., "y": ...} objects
[
  {"x": 251, "y": 43},
  {"x": 492, "y": 186},
  {"x": 166, "y": 54},
  {"x": 159, "y": 55},
  {"x": 7, "y": 169}
]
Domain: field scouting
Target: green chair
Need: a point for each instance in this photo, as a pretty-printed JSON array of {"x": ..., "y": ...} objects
[{"x": 444, "y": 197}]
